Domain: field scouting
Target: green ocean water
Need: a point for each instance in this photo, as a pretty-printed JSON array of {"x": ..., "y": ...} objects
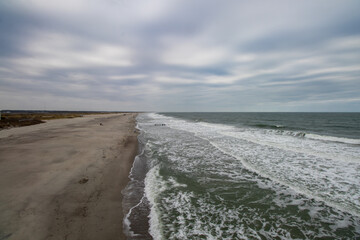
[{"x": 246, "y": 176}]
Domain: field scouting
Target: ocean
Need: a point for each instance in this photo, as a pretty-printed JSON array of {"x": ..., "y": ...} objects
[{"x": 245, "y": 176}]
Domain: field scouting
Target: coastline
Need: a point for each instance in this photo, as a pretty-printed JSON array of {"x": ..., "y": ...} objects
[{"x": 63, "y": 179}]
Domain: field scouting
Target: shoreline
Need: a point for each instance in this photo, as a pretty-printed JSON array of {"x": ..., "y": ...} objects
[
  {"x": 63, "y": 179},
  {"x": 135, "y": 202}
]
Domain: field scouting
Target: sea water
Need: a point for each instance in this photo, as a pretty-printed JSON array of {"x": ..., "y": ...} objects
[{"x": 245, "y": 176}]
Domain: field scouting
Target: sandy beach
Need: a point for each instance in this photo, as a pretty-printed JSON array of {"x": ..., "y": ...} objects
[{"x": 63, "y": 179}]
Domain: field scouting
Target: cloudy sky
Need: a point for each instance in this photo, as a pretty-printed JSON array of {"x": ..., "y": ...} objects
[{"x": 180, "y": 55}]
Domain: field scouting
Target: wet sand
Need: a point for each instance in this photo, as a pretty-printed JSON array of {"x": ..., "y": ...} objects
[{"x": 63, "y": 179}]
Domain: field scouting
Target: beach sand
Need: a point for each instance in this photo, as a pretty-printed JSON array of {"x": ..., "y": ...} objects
[{"x": 63, "y": 179}]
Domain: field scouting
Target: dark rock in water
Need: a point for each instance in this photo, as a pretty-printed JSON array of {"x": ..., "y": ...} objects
[
  {"x": 160, "y": 124},
  {"x": 101, "y": 124}
]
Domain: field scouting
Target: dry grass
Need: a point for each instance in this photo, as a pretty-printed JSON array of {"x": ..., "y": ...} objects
[{"x": 9, "y": 120}]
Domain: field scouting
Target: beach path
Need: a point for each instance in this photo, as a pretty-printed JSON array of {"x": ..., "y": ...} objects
[{"x": 63, "y": 179}]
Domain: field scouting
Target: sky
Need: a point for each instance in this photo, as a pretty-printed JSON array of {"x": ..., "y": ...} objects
[{"x": 180, "y": 55}]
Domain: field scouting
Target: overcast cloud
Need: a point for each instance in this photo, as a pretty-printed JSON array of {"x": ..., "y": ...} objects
[{"x": 178, "y": 55}]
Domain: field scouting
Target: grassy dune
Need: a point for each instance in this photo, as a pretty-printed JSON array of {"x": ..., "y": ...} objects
[{"x": 9, "y": 120}]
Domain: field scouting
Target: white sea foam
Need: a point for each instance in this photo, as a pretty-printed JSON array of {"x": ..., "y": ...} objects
[
  {"x": 333, "y": 139},
  {"x": 307, "y": 146},
  {"x": 131, "y": 174},
  {"x": 307, "y": 165},
  {"x": 334, "y": 183},
  {"x": 153, "y": 186}
]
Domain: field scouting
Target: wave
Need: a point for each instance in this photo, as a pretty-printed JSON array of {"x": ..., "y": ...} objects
[
  {"x": 261, "y": 125},
  {"x": 291, "y": 133},
  {"x": 273, "y": 129},
  {"x": 296, "y": 188},
  {"x": 314, "y": 136},
  {"x": 153, "y": 186},
  {"x": 333, "y": 139}
]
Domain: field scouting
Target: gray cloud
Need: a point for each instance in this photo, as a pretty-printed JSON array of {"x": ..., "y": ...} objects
[{"x": 180, "y": 55}]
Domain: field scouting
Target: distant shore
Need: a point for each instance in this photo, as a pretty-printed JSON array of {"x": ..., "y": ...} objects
[
  {"x": 21, "y": 118},
  {"x": 63, "y": 179}
]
